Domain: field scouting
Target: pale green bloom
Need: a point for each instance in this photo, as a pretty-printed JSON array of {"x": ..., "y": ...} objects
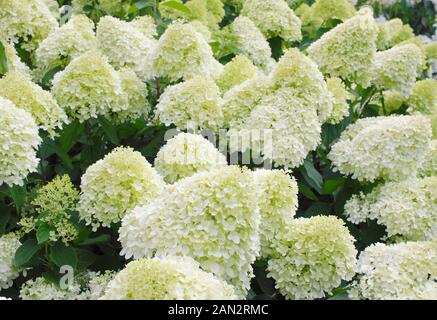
[
  {"x": 66, "y": 43},
  {"x": 235, "y": 72},
  {"x": 53, "y": 205},
  {"x": 25, "y": 94},
  {"x": 19, "y": 141},
  {"x": 322, "y": 11},
  {"x": 311, "y": 257},
  {"x": 348, "y": 50},
  {"x": 404, "y": 271},
  {"x": 239, "y": 101},
  {"x": 397, "y": 68},
  {"x": 194, "y": 102},
  {"x": 389, "y": 148},
  {"x": 252, "y": 43},
  {"x": 297, "y": 72},
  {"x": 9, "y": 243},
  {"x": 273, "y": 18},
  {"x": 407, "y": 208},
  {"x": 29, "y": 20},
  {"x": 102, "y": 94},
  {"x": 136, "y": 92},
  {"x": 423, "y": 98},
  {"x": 126, "y": 45},
  {"x": 429, "y": 167},
  {"x": 392, "y": 33},
  {"x": 167, "y": 278},
  {"x": 393, "y": 100},
  {"x": 340, "y": 106},
  {"x": 120, "y": 181},
  {"x": 221, "y": 208},
  {"x": 182, "y": 52},
  {"x": 278, "y": 204},
  {"x": 185, "y": 155}
]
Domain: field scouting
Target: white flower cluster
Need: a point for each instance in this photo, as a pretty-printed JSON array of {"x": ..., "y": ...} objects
[
  {"x": 312, "y": 257},
  {"x": 30, "y": 20},
  {"x": 66, "y": 43},
  {"x": 19, "y": 140},
  {"x": 185, "y": 155},
  {"x": 389, "y": 148},
  {"x": 9, "y": 243},
  {"x": 273, "y": 18},
  {"x": 168, "y": 278},
  {"x": 277, "y": 204},
  {"x": 404, "y": 271},
  {"x": 25, "y": 94},
  {"x": 407, "y": 208},
  {"x": 13, "y": 60},
  {"x": 116, "y": 184},
  {"x": 211, "y": 216},
  {"x": 126, "y": 44}
]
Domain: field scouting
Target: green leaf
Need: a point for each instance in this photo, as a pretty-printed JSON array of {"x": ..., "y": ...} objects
[
  {"x": 63, "y": 255},
  {"x": 318, "y": 208},
  {"x": 312, "y": 176},
  {"x": 3, "y": 60},
  {"x": 51, "y": 145},
  {"x": 178, "y": 6},
  {"x": 18, "y": 195},
  {"x": 46, "y": 80},
  {"x": 42, "y": 233},
  {"x": 85, "y": 258},
  {"x": 331, "y": 185},
  {"x": 143, "y": 4},
  {"x": 25, "y": 252},
  {"x": 99, "y": 239},
  {"x": 110, "y": 130},
  {"x": 70, "y": 135},
  {"x": 5, "y": 215},
  {"x": 307, "y": 192}
]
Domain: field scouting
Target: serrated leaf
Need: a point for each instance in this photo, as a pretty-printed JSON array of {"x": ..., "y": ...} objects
[
  {"x": 26, "y": 252},
  {"x": 70, "y": 135},
  {"x": 177, "y": 5},
  {"x": 307, "y": 192},
  {"x": 331, "y": 185},
  {"x": 312, "y": 176},
  {"x": 62, "y": 255},
  {"x": 18, "y": 195}
]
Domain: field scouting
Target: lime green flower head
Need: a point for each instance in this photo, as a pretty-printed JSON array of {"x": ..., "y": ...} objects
[
  {"x": 120, "y": 181},
  {"x": 392, "y": 33},
  {"x": 126, "y": 45},
  {"x": 19, "y": 141},
  {"x": 431, "y": 51},
  {"x": 28, "y": 20},
  {"x": 235, "y": 72},
  {"x": 185, "y": 155},
  {"x": 252, "y": 43},
  {"x": 348, "y": 50},
  {"x": 273, "y": 18},
  {"x": 9, "y": 243},
  {"x": 397, "y": 68},
  {"x": 102, "y": 93},
  {"x": 182, "y": 52},
  {"x": 389, "y": 148},
  {"x": 312, "y": 257},
  {"x": 278, "y": 204},
  {"x": 340, "y": 106},
  {"x": 195, "y": 102},
  {"x": 167, "y": 278},
  {"x": 54, "y": 204},
  {"x": 393, "y": 100},
  {"x": 423, "y": 98},
  {"x": 404, "y": 271},
  {"x": 25, "y": 94},
  {"x": 136, "y": 92},
  {"x": 66, "y": 43},
  {"x": 429, "y": 167},
  {"x": 299, "y": 73},
  {"x": 220, "y": 205},
  {"x": 406, "y": 208}
]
